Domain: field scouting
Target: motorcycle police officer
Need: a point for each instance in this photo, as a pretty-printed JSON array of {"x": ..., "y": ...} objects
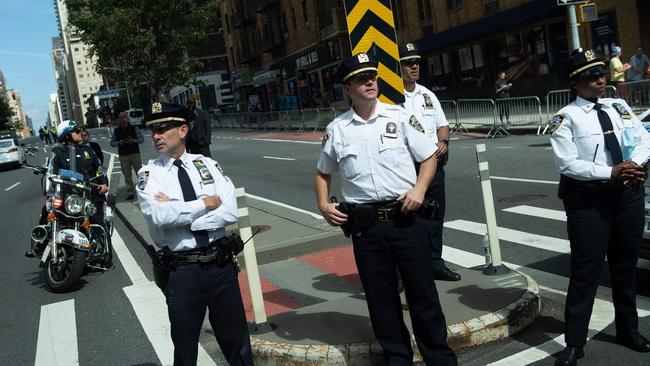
[
  {"x": 187, "y": 202},
  {"x": 424, "y": 105},
  {"x": 82, "y": 159},
  {"x": 373, "y": 146},
  {"x": 600, "y": 149}
]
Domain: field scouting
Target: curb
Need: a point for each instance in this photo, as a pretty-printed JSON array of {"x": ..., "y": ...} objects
[{"x": 496, "y": 325}]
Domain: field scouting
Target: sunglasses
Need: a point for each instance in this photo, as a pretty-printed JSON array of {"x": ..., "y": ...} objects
[
  {"x": 411, "y": 63},
  {"x": 364, "y": 76}
]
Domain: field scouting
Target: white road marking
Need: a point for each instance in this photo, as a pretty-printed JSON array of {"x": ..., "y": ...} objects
[
  {"x": 538, "y": 212},
  {"x": 269, "y": 140},
  {"x": 524, "y": 180},
  {"x": 314, "y": 215},
  {"x": 57, "y": 335},
  {"x": 514, "y": 236},
  {"x": 9, "y": 188},
  {"x": 277, "y": 158}
]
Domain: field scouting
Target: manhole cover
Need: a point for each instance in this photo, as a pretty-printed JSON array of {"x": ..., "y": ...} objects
[{"x": 521, "y": 198}]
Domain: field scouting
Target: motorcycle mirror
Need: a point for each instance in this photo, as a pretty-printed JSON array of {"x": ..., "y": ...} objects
[{"x": 111, "y": 199}]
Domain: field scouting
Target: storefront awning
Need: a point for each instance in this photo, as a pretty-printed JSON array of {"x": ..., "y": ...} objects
[
  {"x": 504, "y": 21},
  {"x": 266, "y": 75}
]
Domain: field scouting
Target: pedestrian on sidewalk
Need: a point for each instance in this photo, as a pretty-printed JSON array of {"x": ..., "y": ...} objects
[
  {"x": 600, "y": 148},
  {"x": 187, "y": 203},
  {"x": 200, "y": 131},
  {"x": 502, "y": 90},
  {"x": 617, "y": 71},
  {"x": 373, "y": 146},
  {"x": 425, "y": 106},
  {"x": 126, "y": 138},
  {"x": 85, "y": 141}
]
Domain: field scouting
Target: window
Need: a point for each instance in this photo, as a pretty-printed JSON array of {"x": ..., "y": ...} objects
[
  {"x": 293, "y": 14},
  {"x": 424, "y": 11},
  {"x": 78, "y": 62},
  {"x": 477, "y": 51},
  {"x": 453, "y": 4},
  {"x": 76, "y": 49},
  {"x": 465, "y": 58},
  {"x": 305, "y": 14},
  {"x": 227, "y": 23},
  {"x": 398, "y": 10},
  {"x": 81, "y": 76}
]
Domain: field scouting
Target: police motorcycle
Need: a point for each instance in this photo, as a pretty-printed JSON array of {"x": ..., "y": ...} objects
[{"x": 68, "y": 244}]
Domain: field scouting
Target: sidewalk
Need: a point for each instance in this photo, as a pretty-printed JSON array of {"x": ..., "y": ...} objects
[{"x": 314, "y": 299}]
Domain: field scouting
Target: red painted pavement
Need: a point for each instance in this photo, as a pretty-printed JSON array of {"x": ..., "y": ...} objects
[
  {"x": 276, "y": 301},
  {"x": 338, "y": 262}
]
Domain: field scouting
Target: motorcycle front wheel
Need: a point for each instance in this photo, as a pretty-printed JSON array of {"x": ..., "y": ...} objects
[{"x": 65, "y": 274}]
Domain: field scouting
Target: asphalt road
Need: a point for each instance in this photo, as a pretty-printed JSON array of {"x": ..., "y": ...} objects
[{"x": 109, "y": 331}]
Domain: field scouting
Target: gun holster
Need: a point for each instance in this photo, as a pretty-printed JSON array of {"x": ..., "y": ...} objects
[
  {"x": 227, "y": 249},
  {"x": 163, "y": 264},
  {"x": 428, "y": 209},
  {"x": 346, "y": 208}
]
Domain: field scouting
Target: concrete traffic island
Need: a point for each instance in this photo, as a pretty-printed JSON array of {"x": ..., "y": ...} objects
[{"x": 478, "y": 309}]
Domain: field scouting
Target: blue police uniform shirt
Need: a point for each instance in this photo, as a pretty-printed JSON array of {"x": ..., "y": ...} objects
[
  {"x": 375, "y": 157},
  {"x": 425, "y": 106},
  {"x": 171, "y": 223},
  {"x": 579, "y": 144}
]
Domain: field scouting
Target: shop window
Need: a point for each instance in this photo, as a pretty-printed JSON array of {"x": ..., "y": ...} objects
[
  {"x": 465, "y": 58},
  {"x": 477, "y": 52},
  {"x": 446, "y": 63},
  {"x": 435, "y": 65}
]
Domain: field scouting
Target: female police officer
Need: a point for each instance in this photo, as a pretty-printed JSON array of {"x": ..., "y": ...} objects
[
  {"x": 374, "y": 145},
  {"x": 600, "y": 147}
]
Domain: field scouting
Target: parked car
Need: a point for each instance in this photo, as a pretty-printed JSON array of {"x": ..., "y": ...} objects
[
  {"x": 136, "y": 116},
  {"x": 11, "y": 152}
]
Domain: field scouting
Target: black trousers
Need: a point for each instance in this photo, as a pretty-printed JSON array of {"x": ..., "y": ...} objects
[
  {"x": 602, "y": 222},
  {"x": 378, "y": 251},
  {"x": 436, "y": 191},
  {"x": 194, "y": 287}
]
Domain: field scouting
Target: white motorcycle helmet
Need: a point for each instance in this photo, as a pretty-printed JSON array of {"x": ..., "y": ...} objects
[{"x": 64, "y": 128}]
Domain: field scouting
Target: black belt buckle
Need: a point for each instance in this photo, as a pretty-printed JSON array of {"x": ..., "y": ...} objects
[{"x": 382, "y": 214}]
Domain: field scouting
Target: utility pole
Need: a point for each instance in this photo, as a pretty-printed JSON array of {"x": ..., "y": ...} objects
[{"x": 573, "y": 24}]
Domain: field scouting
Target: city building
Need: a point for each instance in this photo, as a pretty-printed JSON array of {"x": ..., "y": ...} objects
[
  {"x": 59, "y": 66},
  {"x": 54, "y": 114},
  {"x": 79, "y": 69},
  {"x": 216, "y": 90},
  {"x": 465, "y": 43},
  {"x": 283, "y": 53},
  {"x": 3, "y": 85},
  {"x": 15, "y": 101}
]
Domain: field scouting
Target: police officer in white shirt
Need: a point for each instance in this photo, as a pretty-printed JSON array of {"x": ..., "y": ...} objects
[
  {"x": 187, "y": 202},
  {"x": 600, "y": 149},
  {"x": 373, "y": 146},
  {"x": 423, "y": 104}
]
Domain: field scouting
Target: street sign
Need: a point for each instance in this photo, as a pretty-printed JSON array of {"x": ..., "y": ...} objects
[
  {"x": 372, "y": 30},
  {"x": 571, "y": 2},
  {"x": 105, "y": 94}
]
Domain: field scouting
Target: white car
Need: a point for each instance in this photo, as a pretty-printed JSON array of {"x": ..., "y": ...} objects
[{"x": 11, "y": 152}]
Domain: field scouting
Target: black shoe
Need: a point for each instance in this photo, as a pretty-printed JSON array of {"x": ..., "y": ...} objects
[
  {"x": 446, "y": 275},
  {"x": 635, "y": 342},
  {"x": 30, "y": 254},
  {"x": 569, "y": 356},
  {"x": 129, "y": 197}
]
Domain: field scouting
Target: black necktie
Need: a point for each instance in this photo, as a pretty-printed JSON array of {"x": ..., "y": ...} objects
[
  {"x": 611, "y": 142},
  {"x": 201, "y": 236}
]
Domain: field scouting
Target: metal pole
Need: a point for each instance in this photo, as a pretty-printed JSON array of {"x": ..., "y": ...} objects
[
  {"x": 573, "y": 24},
  {"x": 496, "y": 267},
  {"x": 128, "y": 96}
]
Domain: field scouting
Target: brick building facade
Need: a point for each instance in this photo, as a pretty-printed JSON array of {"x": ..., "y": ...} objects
[{"x": 283, "y": 53}]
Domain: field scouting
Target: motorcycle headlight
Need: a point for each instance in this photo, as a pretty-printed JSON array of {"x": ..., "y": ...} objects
[
  {"x": 91, "y": 209},
  {"x": 74, "y": 204}
]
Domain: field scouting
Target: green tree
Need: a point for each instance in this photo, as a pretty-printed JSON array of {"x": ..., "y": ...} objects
[
  {"x": 5, "y": 114},
  {"x": 144, "y": 40}
]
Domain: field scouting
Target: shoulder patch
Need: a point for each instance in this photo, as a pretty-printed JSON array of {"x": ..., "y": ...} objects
[
  {"x": 204, "y": 172},
  {"x": 143, "y": 178},
  {"x": 625, "y": 114},
  {"x": 555, "y": 123},
  {"x": 323, "y": 141},
  {"x": 413, "y": 122}
]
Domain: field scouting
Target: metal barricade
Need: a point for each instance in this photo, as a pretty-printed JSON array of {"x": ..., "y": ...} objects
[
  {"x": 450, "y": 109},
  {"x": 315, "y": 119},
  {"x": 637, "y": 94},
  {"x": 519, "y": 112},
  {"x": 558, "y": 99},
  {"x": 479, "y": 113}
]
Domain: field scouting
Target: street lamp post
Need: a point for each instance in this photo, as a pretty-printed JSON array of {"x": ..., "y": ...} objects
[{"x": 126, "y": 84}]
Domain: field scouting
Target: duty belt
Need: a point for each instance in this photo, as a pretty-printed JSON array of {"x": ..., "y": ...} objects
[
  {"x": 385, "y": 211},
  {"x": 196, "y": 255}
]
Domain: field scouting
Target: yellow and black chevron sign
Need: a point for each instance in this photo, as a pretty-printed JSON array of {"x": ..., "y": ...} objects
[{"x": 372, "y": 30}]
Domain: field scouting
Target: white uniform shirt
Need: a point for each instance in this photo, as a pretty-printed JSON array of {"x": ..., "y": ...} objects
[
  {"x": 579, "y": 144},
  {"x": 171, "y": 223},
  {"x": 375, "y": 156},
  {"x": 425, "y": 106}
]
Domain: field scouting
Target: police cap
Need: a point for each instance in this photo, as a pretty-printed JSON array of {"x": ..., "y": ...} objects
[
  {"x": 409, "y": 52},
  {"x": 164, "y": 115},
  {"x": 355, "y": 65},
  {"x": 584, "y": 63}
]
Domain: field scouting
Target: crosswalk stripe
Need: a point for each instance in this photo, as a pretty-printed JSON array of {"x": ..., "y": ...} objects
[
  {"x": 514, "y": 236},
  {"x": 57, "y": 335},
  {"x": 538, "y": 212}
]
